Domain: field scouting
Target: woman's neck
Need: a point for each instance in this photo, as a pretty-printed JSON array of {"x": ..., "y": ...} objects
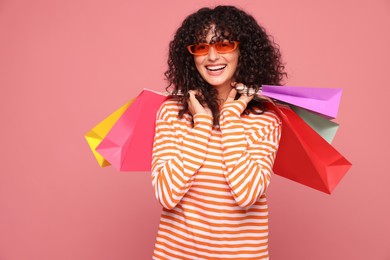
[{"x": 223, "y": 92}]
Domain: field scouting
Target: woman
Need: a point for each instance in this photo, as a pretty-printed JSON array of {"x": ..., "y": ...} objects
[{"x": 214, "y": 148}]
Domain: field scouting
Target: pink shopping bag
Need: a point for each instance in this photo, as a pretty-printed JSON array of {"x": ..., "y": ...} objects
[{"x": 128, "y": 145}]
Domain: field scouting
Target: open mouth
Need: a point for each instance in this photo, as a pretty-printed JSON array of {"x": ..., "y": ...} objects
[{"x": 216, "y": 67}]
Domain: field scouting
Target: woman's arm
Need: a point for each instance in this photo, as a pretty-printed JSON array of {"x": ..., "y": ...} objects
[
  {"x": 249, "y": 161},
  {"x": 175, "y": 162}
]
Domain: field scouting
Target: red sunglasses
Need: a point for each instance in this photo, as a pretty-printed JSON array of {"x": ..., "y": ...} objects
[{"x": 220, "y": 47}]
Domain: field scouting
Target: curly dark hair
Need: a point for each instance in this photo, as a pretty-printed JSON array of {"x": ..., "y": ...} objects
[{"x": 259, "y": 61}]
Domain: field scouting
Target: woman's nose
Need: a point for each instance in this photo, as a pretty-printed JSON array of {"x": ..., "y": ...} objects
[{"x": 213, "y": 54}]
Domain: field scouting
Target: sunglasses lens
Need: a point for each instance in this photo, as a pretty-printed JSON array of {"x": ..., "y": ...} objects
[
  {"x": 199, "y": 49},
  {"x": 223, "y": 47}
]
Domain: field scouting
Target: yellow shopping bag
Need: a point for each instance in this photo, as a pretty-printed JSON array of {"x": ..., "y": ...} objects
[{"x": 95, "y": 135}]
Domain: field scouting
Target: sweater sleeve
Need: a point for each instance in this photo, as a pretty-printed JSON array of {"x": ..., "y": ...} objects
[
  {"x": 249, "y": 160},
  {"x": 178, "y": 153}
]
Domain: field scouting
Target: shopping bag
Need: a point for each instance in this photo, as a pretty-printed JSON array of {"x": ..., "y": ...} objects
[
  {"x": 324, "y": 127},
  {"x": 128, "y": 145},
  {"x": 304, "y": 156},
  {"x": 96, "y": 134},
  {"x": 324, "y": 101}
]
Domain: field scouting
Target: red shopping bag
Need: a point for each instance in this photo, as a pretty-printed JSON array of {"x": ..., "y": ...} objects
[
  {"x": 304, "y": 156},
  {"x": 128, "y": 145}
]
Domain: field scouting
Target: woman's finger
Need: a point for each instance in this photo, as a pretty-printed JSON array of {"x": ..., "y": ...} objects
[
  {"x": 246, "y": 98},
  {"x": 194, "y": 105},
  {"x": 246, "y": 94},
  {"x": 231, "y": 95}
]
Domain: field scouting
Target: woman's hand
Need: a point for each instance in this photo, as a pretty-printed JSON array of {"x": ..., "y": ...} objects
[
  {"x": 242, "y": 89},
  {"x": 194, "y": 105}
]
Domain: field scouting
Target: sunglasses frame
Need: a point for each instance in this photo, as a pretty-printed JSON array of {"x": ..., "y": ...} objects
[{"x": 212, "y": 45}]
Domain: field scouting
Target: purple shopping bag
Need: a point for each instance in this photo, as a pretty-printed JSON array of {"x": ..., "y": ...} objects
[{"x": 323, "y": 101}]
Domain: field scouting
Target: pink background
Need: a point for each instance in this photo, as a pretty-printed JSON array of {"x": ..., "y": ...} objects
[{"x": 65, "y": 65}]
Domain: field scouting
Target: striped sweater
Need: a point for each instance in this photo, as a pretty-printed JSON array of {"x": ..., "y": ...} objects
[{"x": 211, "y": 182}]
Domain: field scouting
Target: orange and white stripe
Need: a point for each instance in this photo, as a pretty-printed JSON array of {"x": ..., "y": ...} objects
[{"x": 211, "y": 183}]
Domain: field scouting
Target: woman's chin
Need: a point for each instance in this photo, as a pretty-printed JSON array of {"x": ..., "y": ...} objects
[{"x": 220, "y": 84}]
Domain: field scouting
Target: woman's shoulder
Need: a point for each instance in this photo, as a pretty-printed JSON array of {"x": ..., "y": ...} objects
[
  {"x": 271, "y": 116},
  {"x": 169, "y": 108},
  {"x": 262, "y": 118}
]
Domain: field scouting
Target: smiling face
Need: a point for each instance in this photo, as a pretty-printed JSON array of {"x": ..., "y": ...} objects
[{"x": 217, "y": 69}]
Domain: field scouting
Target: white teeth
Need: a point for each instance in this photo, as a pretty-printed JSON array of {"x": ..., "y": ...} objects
[{"x": 217, "y": 67}]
